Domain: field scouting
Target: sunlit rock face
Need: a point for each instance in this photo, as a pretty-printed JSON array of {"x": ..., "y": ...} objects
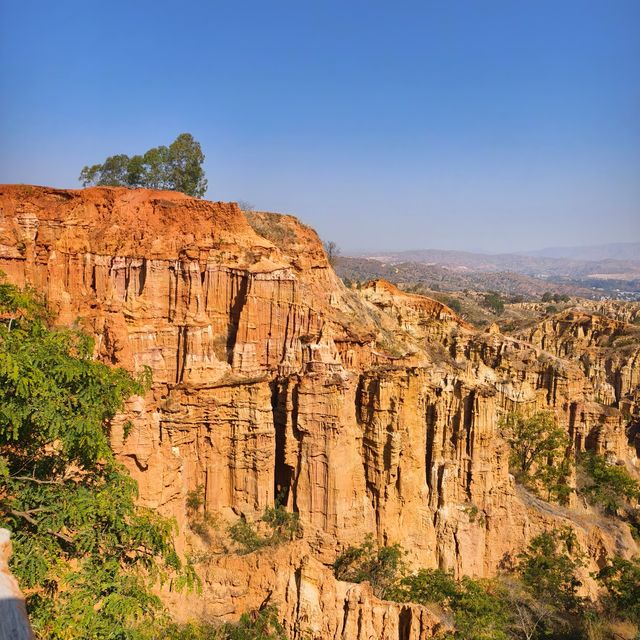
[{"x": 367, "y": 411}]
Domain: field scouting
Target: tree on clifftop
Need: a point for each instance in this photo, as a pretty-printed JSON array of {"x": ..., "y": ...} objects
[{"x": 177, "y": 167}]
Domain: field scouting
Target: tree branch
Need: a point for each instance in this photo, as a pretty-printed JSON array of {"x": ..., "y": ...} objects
[
  {"x": 35, "y": 480},
  {"x": 25, "y": 515}
]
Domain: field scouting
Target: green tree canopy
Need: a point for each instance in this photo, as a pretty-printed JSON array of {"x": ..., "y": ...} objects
[
  {"x": 177, "y": 167},
  {"x": 548, "y": 567},
  {"x": 84, "y": 553},
  {"x": 609, "y": 485},
  {"x": 622, "y": 579},
  {"x": 538, "y": 457}
]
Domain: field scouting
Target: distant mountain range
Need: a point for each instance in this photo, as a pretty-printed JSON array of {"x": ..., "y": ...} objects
[
  {"x": 608, "y": 270},
  {"x": 612, "y": 251}
]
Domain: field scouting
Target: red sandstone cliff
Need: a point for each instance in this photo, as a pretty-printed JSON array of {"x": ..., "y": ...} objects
[{"x": 371, "y": 411}]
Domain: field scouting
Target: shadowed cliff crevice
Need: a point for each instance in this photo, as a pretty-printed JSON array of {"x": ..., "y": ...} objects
[
  {"x": 235, "y": 311},
  {"x": 283, "y": 473}
]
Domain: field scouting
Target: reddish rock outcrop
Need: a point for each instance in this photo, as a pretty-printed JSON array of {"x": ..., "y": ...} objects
[{"x": 368, "y": 412}]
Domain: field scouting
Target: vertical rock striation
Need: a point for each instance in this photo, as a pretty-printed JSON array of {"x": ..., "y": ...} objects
[{"x": 366, "y": 412}]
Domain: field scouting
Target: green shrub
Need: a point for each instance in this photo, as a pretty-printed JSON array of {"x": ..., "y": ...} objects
[
  {"x": 86, "y": 555},
  {"x": 454, "y": 304},
  {"x": 610, "y": 485},
  {"x": 555, "y": 297},
  {"x": 538, "y": 458},
  {"x": 538, "y": 601},
  {"x": 494, "y": 302},
  {"x": 244, "y": 534},
  {"x": 284, "y": 524},
  {"x": 380, "y": 566},
  {"x": 548, "y": 568},
  {"x": 263, "y": 624},
  {"x": 478, "y": 606},
  {"x": 283, "y": 527},
  {"x": 426, "y": 586},
  {"x": 195, "y": 499},
  {"x": 622, "y": 580}
]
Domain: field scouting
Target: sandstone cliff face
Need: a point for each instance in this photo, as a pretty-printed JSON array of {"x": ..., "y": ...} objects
[
  {"x": 312, "y": 603},
  {"x": 368, "y": 412},
  {"x": 607, "y": 349}
]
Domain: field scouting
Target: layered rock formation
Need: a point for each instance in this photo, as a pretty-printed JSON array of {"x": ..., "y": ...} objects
[
  {"x": 311, "y": 602},
  {"x": 367, "y": 411}
]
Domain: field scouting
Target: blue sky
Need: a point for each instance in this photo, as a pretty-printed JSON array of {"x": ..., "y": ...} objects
[{"x": 480, "y": 124}]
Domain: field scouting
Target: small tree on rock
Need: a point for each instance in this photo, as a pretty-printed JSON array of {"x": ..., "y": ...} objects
[
  {"x": 538, "y": 452},
  {"x": 177, "y": 167},
  {"x": 332, "y": 250}
]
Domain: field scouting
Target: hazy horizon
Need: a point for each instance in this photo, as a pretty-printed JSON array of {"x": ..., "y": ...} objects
[
  {"x": 480, "y": 251},
  {"x": 492, "y": 127}
]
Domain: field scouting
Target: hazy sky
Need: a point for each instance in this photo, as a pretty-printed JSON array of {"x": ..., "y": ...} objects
[{"x": 477, "y": 124}]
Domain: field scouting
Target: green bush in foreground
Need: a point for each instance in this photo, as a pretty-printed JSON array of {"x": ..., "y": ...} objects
[{"x": 84, "y": 553}]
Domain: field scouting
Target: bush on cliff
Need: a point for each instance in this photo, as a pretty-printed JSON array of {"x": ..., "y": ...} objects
[
  {"x": 609, "y": 485},
  {"x": 548, "y": 568},
  {"x": 177, "y": 167},
  {"x": 479, "y": 607},
  {"x": 538, "y": 457},
  {"x": 281, "y": 525},
  {"x": 263, "y": 624},
  {"x": 382, "y": 566},
  {"x": 84, "y": 553},
  {"x": 622, "y": 580},
  {"x": 536, "y": 600}
]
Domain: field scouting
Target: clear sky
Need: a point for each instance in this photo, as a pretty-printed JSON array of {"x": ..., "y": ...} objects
[{"x": 456, "y": 124}]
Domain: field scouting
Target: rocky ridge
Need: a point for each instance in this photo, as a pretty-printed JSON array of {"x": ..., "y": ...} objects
[{"x": 367, "y": 412}]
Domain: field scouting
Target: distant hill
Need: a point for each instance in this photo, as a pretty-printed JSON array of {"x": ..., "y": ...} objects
[
  {"x": 611, "y": 270},
  {"x": 533, "y": 264},
  {"x": 612, "y": 251},
  {"x": 443, "y": 278}
]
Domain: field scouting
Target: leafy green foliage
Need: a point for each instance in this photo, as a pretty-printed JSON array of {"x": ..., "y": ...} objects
[
  {"x": 195, "y": 499},
  {"x": 622, "y": 580},
  {"x": 177, "y": 167},
  {"x": 494, "y": 301},
  {"x": 83, "y": 551},
  {"x": 261, "y": 625},
  {"x": 478, "y": 606},
  {"x": 537, "y": 601},
  {"x": 380, "y": 566},
  {"x": 245, "y": 535},
  {"x": 548, "y": 568},
  {"x": 454, "y": 304},
  {"x": 538, "y": 456},
  {"x": 256, "y": 625},
  {"x": 547, "y": 296},
  {"x": 609, "y": 485},
  {"x": 282, "y": 526}
]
